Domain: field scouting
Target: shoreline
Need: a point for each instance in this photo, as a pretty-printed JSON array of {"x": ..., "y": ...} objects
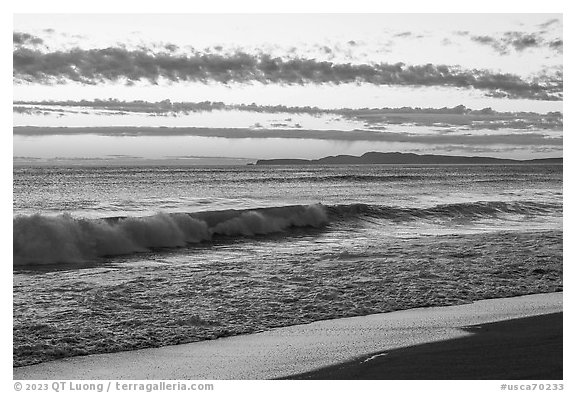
[
  {"x": 525, "y": 348},
  {"x": 298, "y": 349}
]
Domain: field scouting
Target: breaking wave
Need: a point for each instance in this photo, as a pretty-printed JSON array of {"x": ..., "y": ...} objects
[{"x": 40, "y": 239}]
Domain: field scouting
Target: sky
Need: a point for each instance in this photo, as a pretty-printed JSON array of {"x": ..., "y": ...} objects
[{"x": 235, "y": 88}]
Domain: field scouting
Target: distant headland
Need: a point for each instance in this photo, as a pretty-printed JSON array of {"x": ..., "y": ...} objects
[{"x": 404, "y": 158}]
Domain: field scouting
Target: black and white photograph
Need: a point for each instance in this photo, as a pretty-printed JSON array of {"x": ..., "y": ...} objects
[{"x": 287, "y": 196}]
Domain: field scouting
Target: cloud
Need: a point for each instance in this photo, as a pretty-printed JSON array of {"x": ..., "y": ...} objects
[
  {"x": 531, "y": 138},
  {"x": 557, "y": 150},
  {"x": 374, "y": 118},
  {"x": 549, "y": 23},
  {"x": 117, "y": 64},
  {"x": 490, "y": 41},
  {"x": 462, "y": 118},
  {"x": 521, "y": 41},
  {"x": 557, "y": 45},
  {"x": 515, "y": 41},
  {"x": 19, "y": 39}
]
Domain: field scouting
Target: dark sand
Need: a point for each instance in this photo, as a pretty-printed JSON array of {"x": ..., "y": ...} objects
[{"x": 525, "y": 348}]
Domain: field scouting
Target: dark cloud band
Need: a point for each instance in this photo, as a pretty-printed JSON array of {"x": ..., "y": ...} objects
[
  {"x": 239, "y": 133},
  {"x": 459, "y": 116},
  {"x": 92, "y": 66}
]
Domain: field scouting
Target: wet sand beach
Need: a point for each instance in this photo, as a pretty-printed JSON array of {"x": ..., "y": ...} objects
[{"x": 524, "y": 348}]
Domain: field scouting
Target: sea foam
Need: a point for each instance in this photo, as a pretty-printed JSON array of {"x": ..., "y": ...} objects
[{"x": 40, "y": 239}]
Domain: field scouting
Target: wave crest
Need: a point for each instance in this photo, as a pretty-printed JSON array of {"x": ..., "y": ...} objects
[{"x": 42, "y": 239}]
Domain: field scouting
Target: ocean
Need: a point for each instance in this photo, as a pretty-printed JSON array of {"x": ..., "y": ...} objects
[{"x": 111, "y": 258}]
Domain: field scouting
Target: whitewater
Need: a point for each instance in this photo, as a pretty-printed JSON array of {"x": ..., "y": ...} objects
[{"x": 119, "y": 258}]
